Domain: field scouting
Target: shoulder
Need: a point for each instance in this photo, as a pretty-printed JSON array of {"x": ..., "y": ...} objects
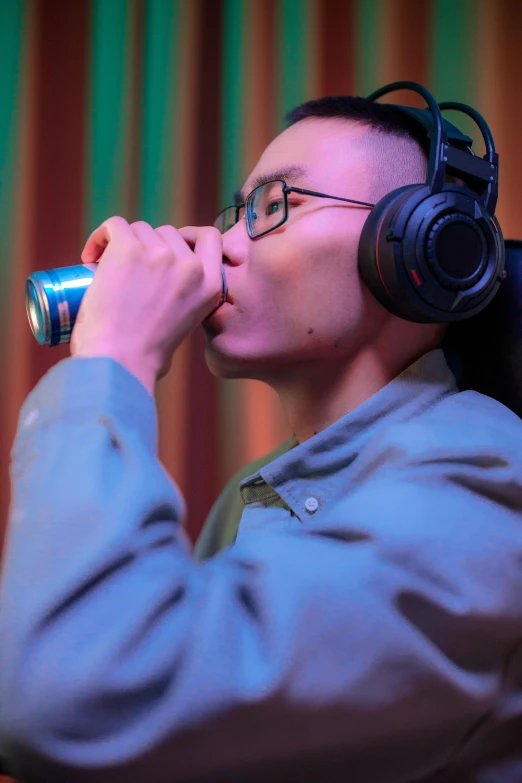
[
  {"x": 443, "y": 483},
  {"x": 464, "y": 422},
  {"x": 462, "y": 453}
]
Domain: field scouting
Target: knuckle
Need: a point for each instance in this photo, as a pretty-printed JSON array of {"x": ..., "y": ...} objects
[
  {"x": 199, "y": 271},
  {"x": 115, "y": 220},
  {"x": 160, "y": 255},
  {"x": 166, "y": 233},
  {"x": 195, "y": 271},
  {"x": 131, "y": 248}
]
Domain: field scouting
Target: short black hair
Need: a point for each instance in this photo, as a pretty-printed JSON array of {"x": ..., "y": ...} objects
[
  {"x": 397, "y": 144},
  {"x": 378, "y": 116}
]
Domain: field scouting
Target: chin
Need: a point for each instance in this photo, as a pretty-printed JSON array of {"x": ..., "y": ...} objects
[
  {"x": 232, "y": 364},
  {"x": 225, "y": 366}
]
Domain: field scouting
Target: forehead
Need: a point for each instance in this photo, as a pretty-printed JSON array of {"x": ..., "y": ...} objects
[{"x": 328, "y": 149}]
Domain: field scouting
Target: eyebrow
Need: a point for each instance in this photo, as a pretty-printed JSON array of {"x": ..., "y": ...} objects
[{"x": 290, "y": 173}]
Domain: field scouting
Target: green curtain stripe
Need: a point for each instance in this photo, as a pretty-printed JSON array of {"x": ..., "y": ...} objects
[
  {"x": 110, "y": 34},
  {"x": 367, "y": 46},
  {"x": 293, "y": 45},
  {"x": 232, "y": 99},
  {"x": 11, "y": 34},
  {"x": 162, "y": 72},
  {"x": 231, "y": 175},
  {"x": 453, "y": 29}
]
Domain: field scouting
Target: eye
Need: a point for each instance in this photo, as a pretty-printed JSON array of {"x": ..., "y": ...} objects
[{"x": 273, "y": 207}]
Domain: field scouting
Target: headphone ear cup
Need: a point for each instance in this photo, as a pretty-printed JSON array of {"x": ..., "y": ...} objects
[
  {"x": 377, "y": 222},
  {"x": 431, "y": 257}
]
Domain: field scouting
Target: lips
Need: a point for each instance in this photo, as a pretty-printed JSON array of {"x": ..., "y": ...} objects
[{"x": 229, "y": 299}]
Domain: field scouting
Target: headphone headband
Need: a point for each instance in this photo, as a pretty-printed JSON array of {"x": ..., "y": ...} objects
[
  {"x": 424, "y": 118},
  {"x": 448, "y": 144}
]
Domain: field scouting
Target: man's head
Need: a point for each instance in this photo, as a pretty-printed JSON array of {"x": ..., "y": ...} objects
[{"x": 299, "y": 300}]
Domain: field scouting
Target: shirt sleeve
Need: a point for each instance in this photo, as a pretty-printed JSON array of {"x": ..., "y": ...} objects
[{"x": 374, "y": 642}]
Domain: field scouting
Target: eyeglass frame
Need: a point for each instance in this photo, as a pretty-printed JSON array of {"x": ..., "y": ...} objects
[{"x": 286, "y": 190}]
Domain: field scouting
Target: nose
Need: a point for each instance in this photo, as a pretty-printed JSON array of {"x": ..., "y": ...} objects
[{"x": 235, "y": 244}]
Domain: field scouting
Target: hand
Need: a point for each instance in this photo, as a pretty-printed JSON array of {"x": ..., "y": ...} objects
[{"x": 153, "y": 287}]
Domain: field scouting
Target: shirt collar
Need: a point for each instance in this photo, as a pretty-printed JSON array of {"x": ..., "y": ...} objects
[{"x": 417, "y": 388}]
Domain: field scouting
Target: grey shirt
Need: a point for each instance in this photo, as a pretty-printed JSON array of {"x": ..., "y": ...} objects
[{"x": 365, "y": 625}]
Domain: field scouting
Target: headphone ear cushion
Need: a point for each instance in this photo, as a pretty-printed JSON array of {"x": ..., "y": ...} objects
[
  {"x": 399, "y": 249},
  {"x": 379, "y": 220}
]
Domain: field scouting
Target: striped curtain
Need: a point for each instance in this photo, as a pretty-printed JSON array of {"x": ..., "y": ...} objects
[{"x": 157, "y": 110}]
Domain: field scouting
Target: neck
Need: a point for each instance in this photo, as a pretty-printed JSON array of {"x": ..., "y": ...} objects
[{"x": 314, "y": 396}]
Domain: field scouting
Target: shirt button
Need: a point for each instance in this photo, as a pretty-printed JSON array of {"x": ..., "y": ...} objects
[{"x": 311, "y": 504}]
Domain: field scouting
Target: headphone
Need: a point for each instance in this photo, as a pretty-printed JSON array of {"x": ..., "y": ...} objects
[{"x": 434, "y": 252}]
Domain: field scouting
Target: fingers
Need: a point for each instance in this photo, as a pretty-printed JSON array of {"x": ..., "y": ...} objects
[
  {"x": 114, "y": 228},
  {"x": 208, "y": 245},
  {"x": 174, "y": 239},
  {"x": 205, "y": 239},
  {"x": 117, "y": 228},
  {"x": 204, "y": 242},
  {"x": 147, "y": 235}
]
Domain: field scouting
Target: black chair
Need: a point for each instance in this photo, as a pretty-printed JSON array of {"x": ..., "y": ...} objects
[{"x": 485, "y": 352}]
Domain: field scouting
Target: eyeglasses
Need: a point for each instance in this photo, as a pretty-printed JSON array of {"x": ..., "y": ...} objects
[{"x": 266, "y": 208}]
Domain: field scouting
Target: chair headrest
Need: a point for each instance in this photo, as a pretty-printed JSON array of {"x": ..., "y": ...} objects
[{"x": 485, "y": 352}]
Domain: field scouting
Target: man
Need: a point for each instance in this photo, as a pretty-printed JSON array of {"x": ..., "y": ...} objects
[{"x": 366, "y": 623}]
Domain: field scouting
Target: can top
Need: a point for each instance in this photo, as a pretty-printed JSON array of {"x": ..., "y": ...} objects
[{"x": 35, "y": 305}]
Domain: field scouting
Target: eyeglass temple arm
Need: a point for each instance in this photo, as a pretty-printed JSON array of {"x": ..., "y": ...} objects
[{"x": 290, "y": 189}]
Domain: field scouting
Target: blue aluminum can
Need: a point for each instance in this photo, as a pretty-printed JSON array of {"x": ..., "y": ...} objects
[
  {"x": 52, "y": 301},
  {"x": 53, "y": 298}
]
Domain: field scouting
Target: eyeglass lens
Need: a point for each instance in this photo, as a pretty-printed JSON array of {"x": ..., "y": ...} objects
[
  {"x": 265, "y": 209},
  {"x": 226, "y": 219}
]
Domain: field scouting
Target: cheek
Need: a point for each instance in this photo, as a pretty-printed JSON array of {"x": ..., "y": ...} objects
[
  {"x": 324, "y": 264},
  {"x": 306, "y": 277}
]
